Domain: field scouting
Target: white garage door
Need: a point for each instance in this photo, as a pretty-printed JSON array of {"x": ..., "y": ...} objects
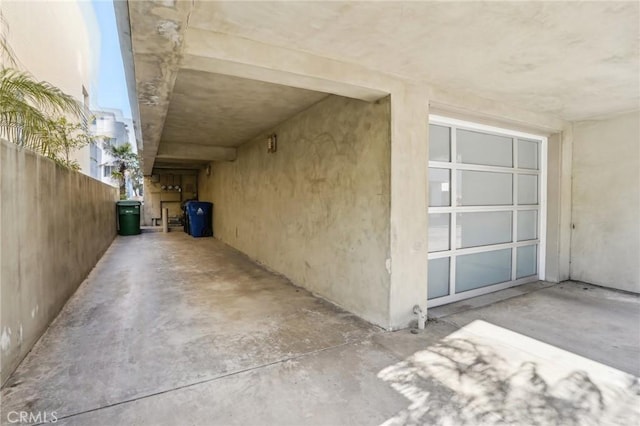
[{"x": 486, "y": 209}]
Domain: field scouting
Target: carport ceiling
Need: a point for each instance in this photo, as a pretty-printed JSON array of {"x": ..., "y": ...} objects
[
  {"x": 575, "y": 60},
  {"x": 214, "y": 109},
  {"x": 566, "y": 60}
]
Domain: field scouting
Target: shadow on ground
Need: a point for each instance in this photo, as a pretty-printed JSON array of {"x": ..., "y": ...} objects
[{"x": 483, "y": 374}]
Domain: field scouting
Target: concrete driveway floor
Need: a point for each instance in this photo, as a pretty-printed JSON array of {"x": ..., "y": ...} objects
[{"x": 172, "y": 330}]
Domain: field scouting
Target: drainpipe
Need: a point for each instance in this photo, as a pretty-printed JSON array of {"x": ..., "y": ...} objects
[{"x": 422, "y": 316}]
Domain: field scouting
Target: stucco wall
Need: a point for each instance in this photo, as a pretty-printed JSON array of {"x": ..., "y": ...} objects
[
  {"x": 605, "y": 241},
  {"x": 155, "y": 198},
  {"x": 55, "y": 225},
  {"x": 317, "y": 210}
]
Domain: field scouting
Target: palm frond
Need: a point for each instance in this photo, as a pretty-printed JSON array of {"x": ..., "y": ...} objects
[
  {"x": 124, "y": 157},
  {"x": 5, "y": 49},
  {"x": 7, "y": 52},
  {"x": 29, "y": 111},
  {"x": 23, "y": 125},
  {"x": 42, "y": 95}
]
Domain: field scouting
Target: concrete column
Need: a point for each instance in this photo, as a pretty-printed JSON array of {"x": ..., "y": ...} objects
[
  {"x": 564, "y": 252},
  {"x": 409, "y": 186},
  {"x": 165, "y": 220},
  {"x": 558, "y": 242}
]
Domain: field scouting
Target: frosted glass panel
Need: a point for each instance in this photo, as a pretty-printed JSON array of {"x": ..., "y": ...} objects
[
  {"x": 526, "y": 264},
  {"x": 484, "y": 188},
  {"x": 527, "y": 225},
  {"x": 482, "y": 269},
  {"x": 438, "y": 232},
  {"x": 483, "y": 228},
  {"x": 439, "y": 187},
  {"x": 438, "y": 277},
  {"x": 527, "y": 154},
  {"x": 483, "y": 148},
  {"x": 527, "y": 189},
  {"x": 439, "y": 143}
]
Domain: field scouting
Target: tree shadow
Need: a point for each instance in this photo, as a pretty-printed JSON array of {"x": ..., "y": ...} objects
[{"x": 462, "y": 382}]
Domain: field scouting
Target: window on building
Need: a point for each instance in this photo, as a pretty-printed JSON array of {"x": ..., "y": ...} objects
[
  {"x": 94, "y": 160},
  {"x": 85, "y": 104},
  {"x": 108, "y": 170}
]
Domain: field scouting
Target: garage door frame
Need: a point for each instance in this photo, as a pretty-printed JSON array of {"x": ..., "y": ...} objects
[{"x": 453, "y": 210}]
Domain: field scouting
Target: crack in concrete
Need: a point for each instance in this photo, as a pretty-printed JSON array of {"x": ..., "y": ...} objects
[{"x": 219, "y": 377}]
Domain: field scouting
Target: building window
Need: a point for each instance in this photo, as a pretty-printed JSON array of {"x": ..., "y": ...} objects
[
  {"x": 95, "y": 158},
  {"x": 85, "y": 104},
  {"x": 108, "y": 170}
]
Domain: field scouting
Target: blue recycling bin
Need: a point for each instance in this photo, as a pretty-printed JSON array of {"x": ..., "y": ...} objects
[{"x": 200, "y": 218}]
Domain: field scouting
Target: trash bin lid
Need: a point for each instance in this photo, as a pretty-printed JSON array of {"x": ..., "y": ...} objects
[
  {"x": 128, "y": 203},
  {"x": 199, "y": 203}
]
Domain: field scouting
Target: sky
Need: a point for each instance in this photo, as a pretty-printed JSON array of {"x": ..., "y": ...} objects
[{"x": 112, "y": 85}]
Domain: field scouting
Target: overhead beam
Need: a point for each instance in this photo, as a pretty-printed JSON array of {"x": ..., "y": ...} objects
[
  {"x": 157, "y": 35},
  {"x": 163, "y": 43},
  {"x": 240, "y": 57},
  {"x": 177, "y": 169},
  {"x": 124, "y": 36},
  {"x": 195, "y": 152},
  {"x": 470, "y": 107},
  {"x": 174, "y": 167},
  {"x": 230, "y": 55}
]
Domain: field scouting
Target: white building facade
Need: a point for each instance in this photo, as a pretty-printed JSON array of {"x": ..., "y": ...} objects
[
  {"x": 110, "y": 129},
  {"x": 58, "y": 42}
]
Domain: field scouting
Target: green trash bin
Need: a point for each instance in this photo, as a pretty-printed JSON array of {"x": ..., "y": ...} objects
[{"x": 128, "y": 213}]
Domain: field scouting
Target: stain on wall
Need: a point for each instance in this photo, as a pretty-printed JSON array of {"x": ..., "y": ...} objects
[
  {"x": 317, "y": 210},
  {"x": 605, "y": 240},
  {"x": 55, "y": 226}
]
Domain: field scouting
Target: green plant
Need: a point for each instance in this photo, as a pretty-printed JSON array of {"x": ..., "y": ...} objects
[
  {"x": 125, "y": 163},
  {"x": 30, "y": 110},
  {"x": 63, "y": 139},
  {"x": 137, "y": 178}
]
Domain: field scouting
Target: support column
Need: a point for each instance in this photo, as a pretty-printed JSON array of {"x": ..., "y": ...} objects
[
  {"x": 566, "y": 176},
  {"x": 409, "y": 186},
  {"x": 165, "y": 220},
  {"x": 559, "y": 165}
]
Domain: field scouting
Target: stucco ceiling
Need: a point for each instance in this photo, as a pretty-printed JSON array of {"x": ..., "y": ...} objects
[
  {"x": 211, "y": 75},
  {"x": 220, "y": 110},
  {"x": 574, "y": 60}
]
